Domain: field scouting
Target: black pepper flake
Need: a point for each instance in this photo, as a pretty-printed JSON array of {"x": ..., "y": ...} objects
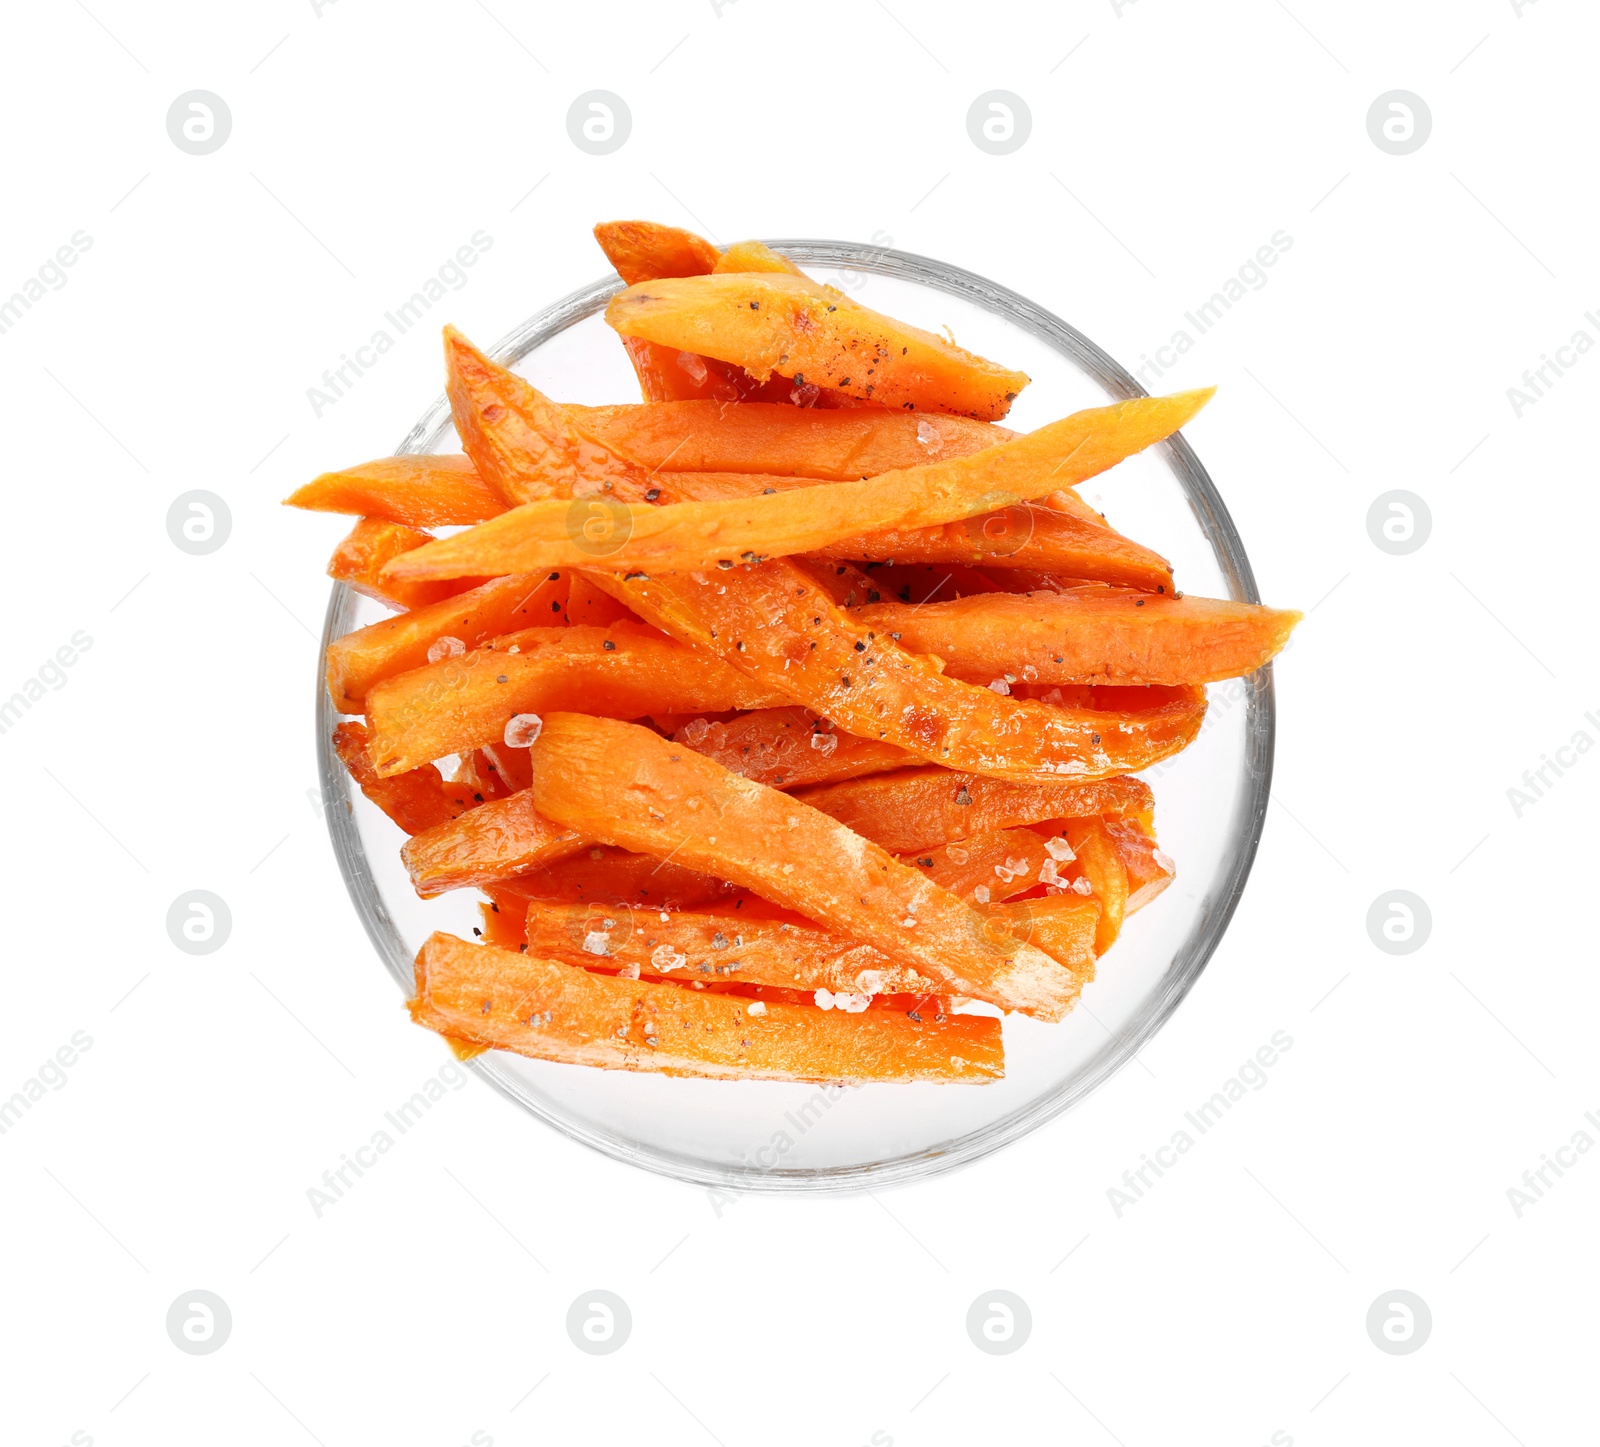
[
  {"x": 1138, "y": 602},
  {"x": 494, "y": 907},
  {"x": 904, "y": 350},
  {"x": 845, "y": 677},
  {"x": 844, "y": 381},
  {"x": 904, "y": 594},
  {"x": 1161, "y": 587},
  {"x": 895, "y": 636},
  {"x": 478, "y": 797},
  {"x": 477, "y": 931},
  {"x": 833, "y": 308},
  {"x": 755, "y": 306},
  {"x": 554, "y": 577},
  {"x": 926, "y": 863},
  {"x": 861, "y": 647},
  {"x": 962, "y": 796},
  {"x": 608, "y": 645},
  {"x": 768, "y": 491},
  {"x": 724, "y": 562},
  {"x": 1094, "y": 738},
  {"x": 555, "y": 607},
  {"x": 912, "y": 1015},
  {"x": 653, "y": 494},
  {"x": 523, "y": 947},
  {"x": 500, "y": 678},
  {"x": 635, "y": 577},
  {"x": 1058, "y": 658}
]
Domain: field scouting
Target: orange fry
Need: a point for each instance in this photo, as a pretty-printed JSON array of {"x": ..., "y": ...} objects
[
  {"x": 366, "y": 657},
  {"x": 551, "y": 1011},
  {"x": 715, "y": 947},
  {"x": 1091, "y": 634},
  {"x": 688, "y": 536},
  {"x": 920, "y": 808},
  {"x": 419, "y": 492},
  {"x": 418, "y": 800},
  {"x": 461, "y": 702},
  {"x": 630, "y": 787},
  {"x": 782, "y": 439},
  {"x": 498, "y": 839},
  {"x": 786, "y": 748},
  {"x": 770, "y": 322},
  {"x": 360, "y": 557}
]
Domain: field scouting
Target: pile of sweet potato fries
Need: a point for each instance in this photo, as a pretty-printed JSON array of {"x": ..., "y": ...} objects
[{"x": 785, "y": 714}]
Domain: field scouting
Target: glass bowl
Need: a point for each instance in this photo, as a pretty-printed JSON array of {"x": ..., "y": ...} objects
[{"x": 1210, "y": 800}]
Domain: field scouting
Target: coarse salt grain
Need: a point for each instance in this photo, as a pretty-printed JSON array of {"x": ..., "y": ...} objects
[
  {"x": 981, "y": 894},
  {"x": 824, "y": 744},
  {"x": 628, "y": 972},
  {"x": 1000, "y": 686},
  {"x": 1059, "y": 850},
  {"x": 851, "y": 1004},
  {"x": 597, "y": 942},
  {"x": 445, "y": 648},
  {"x": 1082, "y": 886},
  {"x": 666, "y": 959},
  {"x": 927, "y": 433},
  {"x": 756, "y": 1007},
  {"x": 522, "y": 729}
]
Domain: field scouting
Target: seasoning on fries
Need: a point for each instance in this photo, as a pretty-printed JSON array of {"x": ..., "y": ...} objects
[{"x": 787, "y": 719}]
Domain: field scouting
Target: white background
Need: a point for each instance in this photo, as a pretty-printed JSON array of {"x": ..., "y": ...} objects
[{"x": 1168, "y": 143}]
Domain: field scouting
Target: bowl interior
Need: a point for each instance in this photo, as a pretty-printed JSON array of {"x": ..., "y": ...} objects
[{"x": 1210, "y": 800}]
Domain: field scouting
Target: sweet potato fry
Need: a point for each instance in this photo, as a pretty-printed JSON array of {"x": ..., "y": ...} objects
[
  {"x": 1091, "y": 634},
  {"x": 786, "y": 748},
  {"x": 361, "y": 555},
  {"x": 769, "y": 323},
  {"x": 1099, "y": 861},
  {"x": 645, "y": 250},
  {"x": 1042, "y": 540},
  {"x": 720, "y": 946},
  {"x": 630, "y": 787},
  {"x": 517, "y": 438},
  {"x": 779, "y": 438},
  {"x": 990, "y": 866},
  {"x": 770, "y": 621},
  {"x": 1149, "y": 869},
  {"x": 361, "y": 659},
  {"x": 551, "y": 1011},
  {"x": 712, "y": 948},
  {"x": 1023, "y": 535},
  {"x": 418, "y": 492},
  {"x": 461, "y": 702},
  {"x": 689, "y": 536},
  {"x": 921, "y": 808},
  {"x": 602, "y": 875},
  {"x": 418, "y": 800},
  {"x": 498, "y": 839},
  {"x": 750, "y": 256}
]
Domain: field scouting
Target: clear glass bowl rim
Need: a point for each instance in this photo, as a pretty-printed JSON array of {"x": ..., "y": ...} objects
[{"x": 338, "y": 791}]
